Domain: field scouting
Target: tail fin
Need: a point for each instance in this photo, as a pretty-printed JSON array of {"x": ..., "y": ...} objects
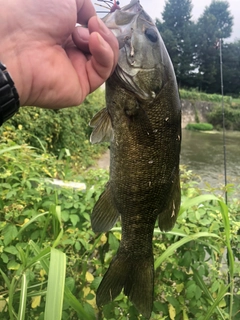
[{"x": 136, "y": 276}]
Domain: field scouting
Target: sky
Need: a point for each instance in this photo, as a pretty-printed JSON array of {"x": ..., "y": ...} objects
[{"x": 155, "y": 8}]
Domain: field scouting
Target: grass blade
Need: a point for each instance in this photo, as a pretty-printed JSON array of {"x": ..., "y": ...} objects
[
  {"x": 40, "y": 256},
  {"x": 204, "y": 288},
  {"x": 29, "y": 222},
  {"x": 14, "y": 148},
  {"x": 7, "y": 282},
  {"x": 23, "y": 298},
  {"x": 171, "y": 249},
  {"x": 196, "y": 201},
  {"x": 56, "y": 282},
  {"x": 220, "y": 296},
  {"x": 76, "y": 305}
]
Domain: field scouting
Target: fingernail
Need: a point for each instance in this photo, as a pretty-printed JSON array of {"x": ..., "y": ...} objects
[{"x": 102, "y": 26}]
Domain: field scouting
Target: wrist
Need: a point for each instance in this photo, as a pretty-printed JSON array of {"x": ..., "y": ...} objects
[
  {"x": 9, "y": 98},
  {"x": 10, "y": 61}
]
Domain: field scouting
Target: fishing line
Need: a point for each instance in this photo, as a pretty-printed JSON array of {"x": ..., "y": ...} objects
[
  {"x": 224, "y": 156},
  {"x": 223, "y": 123}
]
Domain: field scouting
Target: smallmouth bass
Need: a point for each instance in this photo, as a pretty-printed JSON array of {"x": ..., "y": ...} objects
[{"x": 142, "y": 121}]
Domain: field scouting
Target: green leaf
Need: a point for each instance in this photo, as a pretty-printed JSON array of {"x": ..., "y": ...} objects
[
  {"x": 13, "y": 265},
  {"x": 55, "y": 288},
  {"x": 4, "y": 257},
  {"x": 74, "y": 219},
  {"x": 11, "y": 249},
  {"x": 190, "y": 291},
  {"x": 9, "y": 233},
  {"x": 113, "y": 242}
]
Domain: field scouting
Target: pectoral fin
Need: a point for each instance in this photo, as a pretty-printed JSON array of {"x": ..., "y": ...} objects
[
  {"x": 140, "y": 124},
  {"x": 102, "y": 125},
  {"x": 104, "y": 213}
]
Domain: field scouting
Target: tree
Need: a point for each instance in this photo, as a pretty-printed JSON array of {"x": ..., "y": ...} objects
[
  {"x": 216, "y": 22},
  {"x": 176, "y": 31},
  {"x": 231, "y": 68}
]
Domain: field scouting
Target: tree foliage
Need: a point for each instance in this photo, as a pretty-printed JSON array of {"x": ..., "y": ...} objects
[
  {"x": 216, "y": 22},
  {"x": 176, "y": 32},
  {"x": 192, "y": 45},
  {"x": 231, "y": 67}
]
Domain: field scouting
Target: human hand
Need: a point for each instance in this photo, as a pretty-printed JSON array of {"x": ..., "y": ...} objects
[{"x": 53, "y": 63}]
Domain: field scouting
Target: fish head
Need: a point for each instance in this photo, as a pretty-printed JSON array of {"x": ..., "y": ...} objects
[{"x": 144, "y": 65}]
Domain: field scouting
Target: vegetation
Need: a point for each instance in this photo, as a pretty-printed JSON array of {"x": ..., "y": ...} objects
[
  {"x": 42, "y": 227},
  {"x": 199, "y": 126},
  {"x": 51, "y": 262},
  {"x": 232, "y": 118},
  {"x": 193, "y": 46},
  {"x": 216, "y": 99},
  {"x": 214, "y": 117},
  {"x": 64, "y": 133}
]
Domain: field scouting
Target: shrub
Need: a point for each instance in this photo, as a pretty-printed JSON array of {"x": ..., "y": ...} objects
[
  {"x": 202, "y": 96},
  {"x": 54, "y": 131},
  {"x": 232, "y": 118},
  {"x": 199, "y": 126}
]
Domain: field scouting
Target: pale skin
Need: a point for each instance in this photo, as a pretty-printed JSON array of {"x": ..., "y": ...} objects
[{"x": 53, "y": 63}]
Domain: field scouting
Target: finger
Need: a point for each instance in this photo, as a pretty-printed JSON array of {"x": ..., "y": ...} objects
[
  {"x": 80, "y": 37},
  {"x": 96, "y": 24},
  {"x": 92, "y": 70},
  {"x": 101, "y": 64},
  {"x": 85, "y": 10}
]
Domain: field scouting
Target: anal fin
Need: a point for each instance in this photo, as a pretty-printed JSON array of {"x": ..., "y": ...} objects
[
  {"x": 168, "y": 217},
  {"x": 104, "y": 213}
]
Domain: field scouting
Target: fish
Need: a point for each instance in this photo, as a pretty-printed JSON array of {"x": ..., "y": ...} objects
[{"x": 142, "y": 122}]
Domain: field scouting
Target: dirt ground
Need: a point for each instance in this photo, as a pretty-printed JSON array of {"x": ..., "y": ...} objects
[{"x": 103, "y": 162}]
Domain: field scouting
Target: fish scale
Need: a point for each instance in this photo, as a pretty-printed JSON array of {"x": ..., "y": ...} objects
[{"x": 142, "y": 122}]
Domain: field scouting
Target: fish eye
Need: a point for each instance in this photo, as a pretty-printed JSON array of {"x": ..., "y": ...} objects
[{"x": 151, "y": 34}]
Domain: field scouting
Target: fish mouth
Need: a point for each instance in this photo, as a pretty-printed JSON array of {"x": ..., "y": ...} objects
[
  {"x": 134, "y": 6},
  {"x": 119, "y": 20}
]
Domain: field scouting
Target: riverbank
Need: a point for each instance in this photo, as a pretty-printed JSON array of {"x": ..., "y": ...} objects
[{"x": 195, "y": 111}]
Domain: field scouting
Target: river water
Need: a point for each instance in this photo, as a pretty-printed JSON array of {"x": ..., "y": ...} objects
[{"x": 203, "y": 154}]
